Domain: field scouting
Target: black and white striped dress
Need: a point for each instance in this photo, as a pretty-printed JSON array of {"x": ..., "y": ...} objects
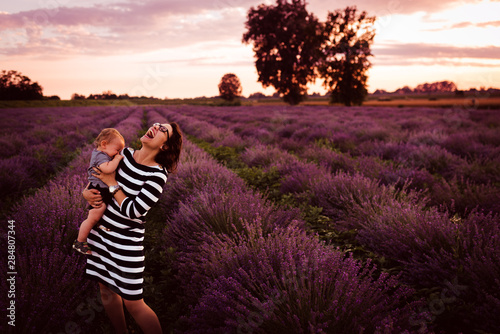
[{"x": 117, "y": 258}]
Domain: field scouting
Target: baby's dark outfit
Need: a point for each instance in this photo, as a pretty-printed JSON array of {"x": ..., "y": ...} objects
[{"x": 96, "y": 160}]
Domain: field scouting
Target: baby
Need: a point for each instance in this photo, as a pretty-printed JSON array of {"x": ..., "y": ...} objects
[{"x": 106, "y": 158}]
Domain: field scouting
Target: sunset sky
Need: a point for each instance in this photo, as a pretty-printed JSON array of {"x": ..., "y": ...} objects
[{"x": 182, "y": 48}]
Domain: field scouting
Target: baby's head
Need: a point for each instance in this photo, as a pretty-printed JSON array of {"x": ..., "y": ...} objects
[{"x": 110, "y": 141}]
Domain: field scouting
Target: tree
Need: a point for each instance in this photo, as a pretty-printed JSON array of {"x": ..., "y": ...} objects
[
  {"x": 436, "y": 87},
  {"x": 108, "y": 95},
  {"x": 348, "y": 37},
  {"x": 404, "y": 90},
  {"x": 77, "y": 96},
  {"x": 229, "y": 87},
  {"x": 286, "y": 41},
  {"x": 257, "y": 95},
  {"x": 15, "y": 86}
]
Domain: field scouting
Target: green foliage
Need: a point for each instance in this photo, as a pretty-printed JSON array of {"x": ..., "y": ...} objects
[
  {"x": 336, "y": 146},
  {"x": 313, "y": 215},
  {"x": 226, "y": 103},
  {"x": 229, "y": 156},
  {"x": 266, "y": 182}
]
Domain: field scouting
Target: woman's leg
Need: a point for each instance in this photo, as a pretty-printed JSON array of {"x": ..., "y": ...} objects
[
  {"x": 144, "y": 316},
  {"x": 113, "y": 304}
]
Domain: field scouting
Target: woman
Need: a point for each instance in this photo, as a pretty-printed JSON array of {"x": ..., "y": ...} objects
[{"x": 117, "y": 259}]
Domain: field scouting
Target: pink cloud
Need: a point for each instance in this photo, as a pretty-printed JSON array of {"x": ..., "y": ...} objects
[
  {"x": 459, "y": 25},
  {"x": 386, "y": 7},
  {"x": 124, "y": 27},
  {"x": 429, "y": 62},
  {"x": 467, "y": 24},
  {"x": 119, "y": 17},
  {"x": 489, "y": 24},
  {"x": 97, "y": 16},
  {"x": 146, "y": 12},
  {"x": 408, "y": 54},
  {"x": 414, "y": 50}
]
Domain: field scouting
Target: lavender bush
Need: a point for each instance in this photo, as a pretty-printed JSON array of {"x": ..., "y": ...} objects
[
  {"x": 338, "y": 193},
  {"x": 330, "y": 159},
  {"x": 216, "y": 211},
  {"x": 221, "y": 211},
  {"x": 50, "y": 289},
  {"x": 264, "y": 156},
  {"x": 479, "y": 248},
  {"x": 287, "y": 281},
  {"x": 463, "y": 196}
]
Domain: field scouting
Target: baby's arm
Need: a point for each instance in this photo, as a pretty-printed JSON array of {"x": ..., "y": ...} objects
[{"x": 110, "y": 166}]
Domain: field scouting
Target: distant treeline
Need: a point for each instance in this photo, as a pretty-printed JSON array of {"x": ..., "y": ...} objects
[
  {"x": 109, "y": 95},
  {"x": 437, "y": 87},
  {"x": 15, "y": 86}
]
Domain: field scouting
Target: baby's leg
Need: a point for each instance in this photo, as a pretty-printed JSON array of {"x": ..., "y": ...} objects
[{"x": 95, "y": 215}]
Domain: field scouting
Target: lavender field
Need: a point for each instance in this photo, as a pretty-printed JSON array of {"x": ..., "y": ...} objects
[{"x": 279, "y": 220}]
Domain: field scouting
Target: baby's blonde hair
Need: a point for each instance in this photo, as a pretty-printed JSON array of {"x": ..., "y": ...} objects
[{"x": 108, "y": 135}]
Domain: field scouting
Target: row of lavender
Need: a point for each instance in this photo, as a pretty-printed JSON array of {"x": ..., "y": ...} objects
[
  {"x": 51, "y": 294},
  {"x": 35, "y": 143},
  {"x": 245, "y": 265},
  {"x": 453, "y": 155},
  {"x": 433, "y": 247}
]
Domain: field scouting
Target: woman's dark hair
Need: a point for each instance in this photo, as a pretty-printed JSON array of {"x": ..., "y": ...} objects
[{"x": 169, "y": 155}]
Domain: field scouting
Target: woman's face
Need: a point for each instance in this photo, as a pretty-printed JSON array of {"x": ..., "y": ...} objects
[{"x": 157, "y": 135}]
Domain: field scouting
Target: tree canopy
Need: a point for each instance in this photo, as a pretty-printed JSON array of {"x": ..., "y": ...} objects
[
  {"x": 15, "y": 86},
  {"x": 345, "y": 55},
  {"x": 286, "y": 41},
  {"x": 230, "y": 87}
]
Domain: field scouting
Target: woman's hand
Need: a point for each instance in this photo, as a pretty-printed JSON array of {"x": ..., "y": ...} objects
[
  {"x": 108, "y": 179},
  {"x": 93, "y": 197}
]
